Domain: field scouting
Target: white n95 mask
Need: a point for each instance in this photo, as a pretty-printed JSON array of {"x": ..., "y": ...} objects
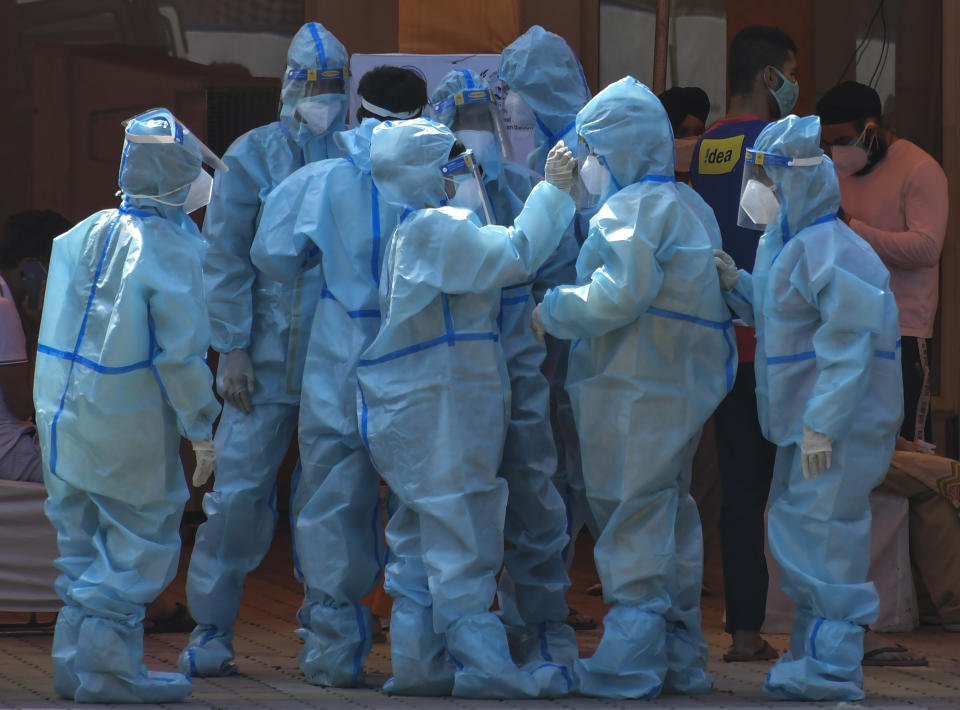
[
  {"x": 200, "y": 191},
  {"x": 594, "y": 175},
  {"x": 760, "y": 202},
  {"x": 319, "y": 112}
]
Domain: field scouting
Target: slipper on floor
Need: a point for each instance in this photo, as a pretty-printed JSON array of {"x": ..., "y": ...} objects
[
  {"x": 766, "y": 652},
  {"x": 580, "y": 622},
  {"x": 896, "y": 655}
]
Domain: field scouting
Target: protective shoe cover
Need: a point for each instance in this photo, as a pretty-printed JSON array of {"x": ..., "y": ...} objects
[
  {"x": 64, "y": 654},
  {"x": 478, "y": 646},
  {"x": 208, "y": 654},
  {"x": 418, "y": 654},
  {"x": 440, "y": 302},
  {"x": 336, "y": 641},
  {"x": 630, "y": 661},
  {"x": 647, "y": 290},
  {"x": 332, "y": 212},
  {"x": 110, "y": 668},
  {"x": 540, "y": 66},
  {"x": 549, "y": 652},
  {"x": 827, "y": 358},
  {"x": 822, "y": 649},
  {"x": 271, "y": 321}
]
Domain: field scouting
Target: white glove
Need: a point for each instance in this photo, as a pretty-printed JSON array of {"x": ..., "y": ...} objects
[
  {"x": 726, "y": 269},
  {"x": 536, "y": 324},
  {"x": 206, "y": 455},
  {"x": 559, "y": 168},
  {"x": 815, "y": 452},
  {"x": 238, "y": 380}
]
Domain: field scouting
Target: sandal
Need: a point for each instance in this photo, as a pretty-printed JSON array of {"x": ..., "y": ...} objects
[
  {"x": 766, "y": 652},
  {"x": 896, "y": 655}
]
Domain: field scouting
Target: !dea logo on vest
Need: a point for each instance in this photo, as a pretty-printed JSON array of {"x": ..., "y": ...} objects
[{"x": 720, "y": 155}]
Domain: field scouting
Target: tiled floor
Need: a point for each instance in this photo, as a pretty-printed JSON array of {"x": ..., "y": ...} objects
[{"x": 269, "y": 677}]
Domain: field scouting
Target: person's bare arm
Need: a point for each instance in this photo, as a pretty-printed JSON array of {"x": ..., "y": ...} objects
[{"x": 16, "y": 383}]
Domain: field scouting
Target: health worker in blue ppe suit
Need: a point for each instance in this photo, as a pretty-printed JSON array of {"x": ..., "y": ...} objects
[
  {"x": 261, "y": 329},
  {"x": 546, "y": 82},
  {"x": 120, "y": 377},
  {"x": 653, "y": 357},
  {"x": 544, "y": 77},
  {"x": 829, "y": 394},
  {"x": 534, "y": 581},
  {"x": 434, "y": 405},
  {"x": 331, "y": 212}
]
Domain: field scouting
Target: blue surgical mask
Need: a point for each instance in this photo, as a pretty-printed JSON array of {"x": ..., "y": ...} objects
[{"x": 786, "y": 95}]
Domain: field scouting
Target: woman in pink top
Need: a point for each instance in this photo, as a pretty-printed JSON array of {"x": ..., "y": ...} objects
[{"x": 895, "y": 197}]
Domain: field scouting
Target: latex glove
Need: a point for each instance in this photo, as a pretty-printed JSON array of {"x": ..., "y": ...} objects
[
  {"x": 815, "y": 452},
  {"x": 536, "y": 324},
  {"x": 559, "y": 168},
  {"x": 726, "y": 269},
  {"x": 206, "y": 455},
  {"x": 238, "y": 380}
]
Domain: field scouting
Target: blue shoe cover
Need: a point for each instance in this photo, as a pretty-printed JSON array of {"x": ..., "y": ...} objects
[
  {"x": 686, "y": 661},
  {"x": 149, "y": 687},
  {"x": 550, "y": 653},
  {"x": 337, "y": 641},
  {"x": 485, "y": 669},
  {"x": 209, "y": 653},
  {"x": 421, "y": 664},
  {"x": 829, "y": 669},
  {"x": 109, "y": 665},
  {"x": 630, "y": 661},
  {"x": 65, "y": 681}
]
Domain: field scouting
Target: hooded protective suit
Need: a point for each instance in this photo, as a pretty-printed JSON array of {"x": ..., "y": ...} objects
[
  {"x": 120, "y": 377},
  {"x": 828, "y": 358},
  {"x": 434, "y": 402},
  {"x": 541, "y": 68},
  {"x": 654, "y": 356},
  {"x": 332, "y": 212},
  {"x": 271, "y": 322},
  {"x": 535, "y": 580}
]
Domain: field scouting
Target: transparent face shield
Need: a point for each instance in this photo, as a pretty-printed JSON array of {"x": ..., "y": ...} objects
[
  {"x": 463, "y": 183},
  {"x": 165, "y": 128},
  {"x": 759, "y": 196},
  {"x": 593, "y": 178},
  {"x": 322, "y": 96},
  {"x": 478, "y": 123}
]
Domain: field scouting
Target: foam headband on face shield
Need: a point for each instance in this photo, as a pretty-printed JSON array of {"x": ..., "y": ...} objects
[
  {"x": 757, "y": 157},
  {"x": 178, "y": 134},
  {"x": 317, "y": 74},
  {"x": 462, "y": 98}
]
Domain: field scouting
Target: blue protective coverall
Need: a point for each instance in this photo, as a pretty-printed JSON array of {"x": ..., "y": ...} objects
[
  {"x": 434, "y": 405},
  {"x": 331, "y": 211},
  {"x": 271, "y": 321},
  {"x": 534, "y": 582},
  {"x": 828, "y": 358},
  {"x": 654, "y": 355},
  {"x": 120, "y": 377},
  {"x": 540, "y": 66}
]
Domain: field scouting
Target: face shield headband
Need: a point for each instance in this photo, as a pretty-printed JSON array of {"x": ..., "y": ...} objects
[
  {"x": 201, "y": 187},
  {"x": 760, "y": 198},
  {"x": 464, "y": 172}
]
